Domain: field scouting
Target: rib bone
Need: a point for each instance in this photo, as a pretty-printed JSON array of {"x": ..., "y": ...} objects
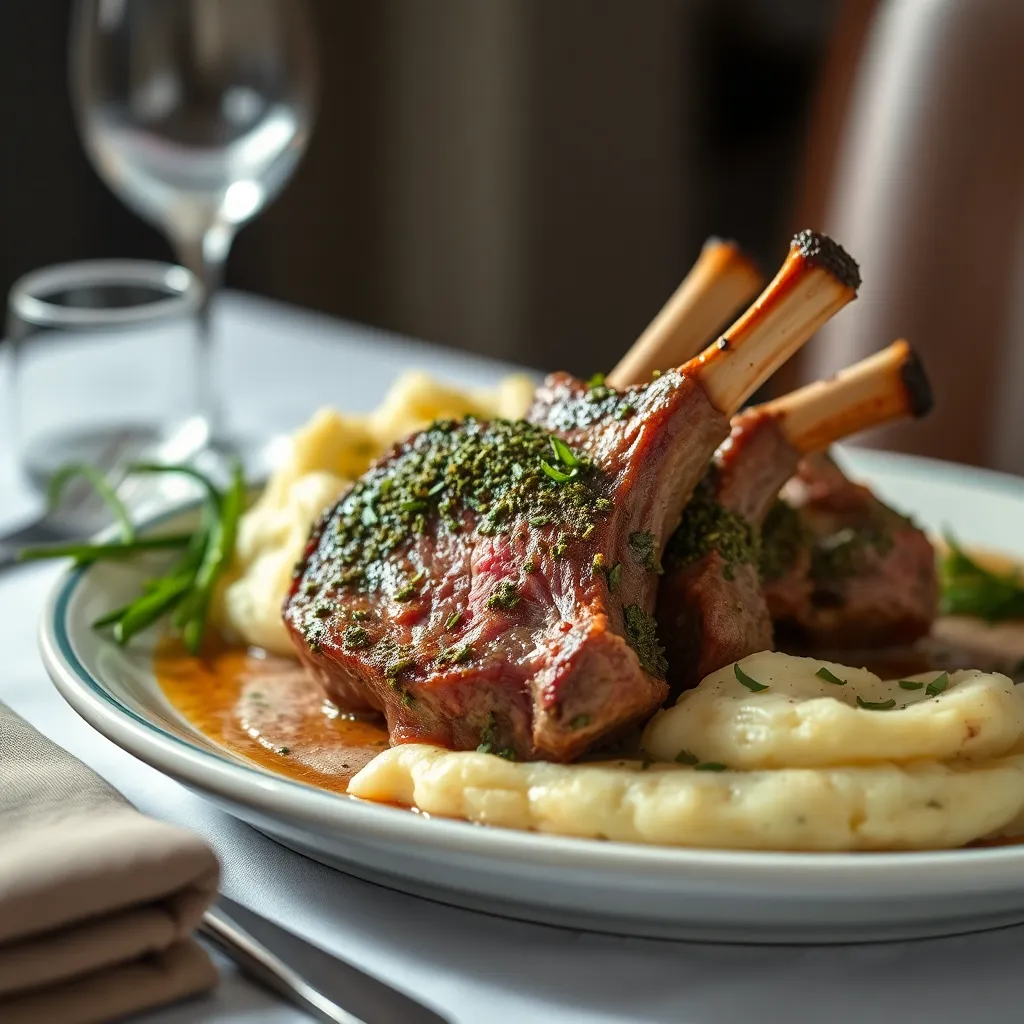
[
  {"x": 720, "y": 282},
  {"x": 817, "y": 279}
]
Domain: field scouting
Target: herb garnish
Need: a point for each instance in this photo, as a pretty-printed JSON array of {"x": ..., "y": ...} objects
[
  {"x": 970, "y": 589},
  {"x": 488, "y": 740},
  {"x": 186, "y": 588},
  {"x": 707, "y": 526},
  {"x": 482, "y": 490},
  {"x": 937, "y": 685},
  {"x": 642, "y": 543},
  {"x": 685, "y": 757},
  {"x": 911, "y": 684},
  {"x": 504, "y": 597},
  {"x": 642, "y": 636},
  {"x": 829, "y": 677},
  {"x": 614, "y": 576},
  {"x": 751, "y": 684},
  {"x": 452, "y": 621},
  {"x": 873, "y": 705}
]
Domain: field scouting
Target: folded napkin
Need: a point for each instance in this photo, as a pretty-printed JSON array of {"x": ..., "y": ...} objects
[{"x": 97, "y": 902}]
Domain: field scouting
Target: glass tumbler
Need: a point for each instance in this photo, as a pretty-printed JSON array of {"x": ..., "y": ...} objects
[{"x": 105, "y": 362}]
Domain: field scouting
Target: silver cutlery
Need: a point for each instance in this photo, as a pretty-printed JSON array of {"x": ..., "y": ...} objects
[{"x": 325, "y": 986}]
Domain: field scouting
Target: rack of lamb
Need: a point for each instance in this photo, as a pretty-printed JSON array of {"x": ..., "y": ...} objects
[{"x": 493, "y": 585}]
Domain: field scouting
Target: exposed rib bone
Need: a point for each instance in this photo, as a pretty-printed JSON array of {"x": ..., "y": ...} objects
[
  {"x": 817, "y": 279},
  {"x": 721, "y": 281},
  {"x": 889, "y": 385}
]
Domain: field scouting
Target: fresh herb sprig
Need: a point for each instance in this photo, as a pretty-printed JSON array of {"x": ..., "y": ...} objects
[
  {"x": 186, "y": 589},
  {"x": 970, "y": 589}
]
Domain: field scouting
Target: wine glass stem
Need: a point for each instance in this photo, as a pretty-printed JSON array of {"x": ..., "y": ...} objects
[{"x": 206, "y": 257}]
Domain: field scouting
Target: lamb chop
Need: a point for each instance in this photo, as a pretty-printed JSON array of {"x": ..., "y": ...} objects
[
  {"x": 711, "y": 607},
  {"x": 492, "y": 585},
  {"x": 842, "y": 569}
]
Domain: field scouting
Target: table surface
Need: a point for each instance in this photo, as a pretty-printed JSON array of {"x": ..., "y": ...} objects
[{"x": 473, "y": 967}]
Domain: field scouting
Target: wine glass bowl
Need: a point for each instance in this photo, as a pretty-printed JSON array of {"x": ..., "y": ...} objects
[{"x": 195, "y": 113}]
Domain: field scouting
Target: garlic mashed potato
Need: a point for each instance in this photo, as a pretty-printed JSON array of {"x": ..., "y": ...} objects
[
  {"x": 326, "y": 456},
  {"x": 772, "y": 753}
]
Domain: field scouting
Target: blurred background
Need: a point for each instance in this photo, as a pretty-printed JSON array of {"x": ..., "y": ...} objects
[{"x": 530, "y": 179}]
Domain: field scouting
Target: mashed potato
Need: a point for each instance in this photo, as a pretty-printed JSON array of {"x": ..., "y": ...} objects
[
  {"x": 801, "y": 719},
  {"x": 326, "y": 455},
  {"x": 924, "y": 805},
  {"x": 795, "y": 758}
]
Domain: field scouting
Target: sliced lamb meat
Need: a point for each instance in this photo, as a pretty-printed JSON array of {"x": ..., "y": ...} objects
[
  {"x": 711, "y": 608},
  {"x": 846, "y": 571},
  {"x": 492, "y": 585}
]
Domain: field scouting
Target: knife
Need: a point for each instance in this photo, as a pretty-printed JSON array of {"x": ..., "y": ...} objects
[{"x": 326, "y": 987}]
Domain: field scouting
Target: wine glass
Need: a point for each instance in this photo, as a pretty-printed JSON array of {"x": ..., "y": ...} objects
[{"x": 195, "y": 113}]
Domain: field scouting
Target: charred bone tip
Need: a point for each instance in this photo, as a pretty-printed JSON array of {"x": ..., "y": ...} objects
[
  {"x": 920, "y": 399},
  {"x": 824, "y": 252}
]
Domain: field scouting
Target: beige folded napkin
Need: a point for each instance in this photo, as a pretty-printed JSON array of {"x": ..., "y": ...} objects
[{"x": 97, "y": 902}]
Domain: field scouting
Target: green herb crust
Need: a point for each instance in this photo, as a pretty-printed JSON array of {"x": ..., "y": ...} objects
[
  {"x": 642, "y": 543},
  {"x": 841, "y": 555},
  {"x": 783, "y": 537},
  {"x": 502, "y": 473},
  {"x": 642, "y": 636},
  {"x": 706, "y": 526}
]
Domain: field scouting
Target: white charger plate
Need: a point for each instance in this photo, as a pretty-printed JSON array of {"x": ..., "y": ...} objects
[{"x": 605, "y": 886}]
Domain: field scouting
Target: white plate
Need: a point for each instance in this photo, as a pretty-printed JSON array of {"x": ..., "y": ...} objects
[{"x": 616, "y": 887}]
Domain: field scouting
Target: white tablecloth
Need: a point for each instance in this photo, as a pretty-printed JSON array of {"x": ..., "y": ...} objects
[{"x": 477, "y": 969}]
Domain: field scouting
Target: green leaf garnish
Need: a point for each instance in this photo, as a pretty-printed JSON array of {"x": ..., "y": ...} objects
[
  {"x": 556, "y": 474},
  {"x": 685, "y": 757},
  {"x": 970, "y": 589},
  {"x": 614, "y": 576},
  {"x": 829, "y": 677},
  {"x": 596, "y": 381},
  {"x": 742, "y": 677},
  {"x": 876, "y": 705},
  {"x": 911, "y": 684},
  {"x": 937, "y": 685},
  {"x": 710, "y": 766},
  {"x": 59, "y": 481},
  {"x": 185, "y": 590},
  {"x": 564, "y": 453}
]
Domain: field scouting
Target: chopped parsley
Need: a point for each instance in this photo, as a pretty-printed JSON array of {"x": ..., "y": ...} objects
[
  {"x": 685, "y": 757},
  {"x": 783, "y": 537},
  {"x": 829, "y": 677},
  {"x": 642, "y": 636},
  {"x": 911, "y": 684},
  {"x": 494, "y": 476},
  {"x": 504, "y": 597},
  {"x": 452, "y": 621},
  {"x": 642, "y": 543},
  {"x": 876, "y": 705},
  {"x": 614, "y": 576},
  {"x": 707, "y": 526},
  {"x": 751, "y": 684},
  {"x": 937, "y": 685},
  {"x": 355, "y": 638}
]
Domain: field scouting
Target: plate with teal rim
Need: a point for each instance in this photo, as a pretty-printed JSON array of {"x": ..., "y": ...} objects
[{"x": 708, "y": 895}]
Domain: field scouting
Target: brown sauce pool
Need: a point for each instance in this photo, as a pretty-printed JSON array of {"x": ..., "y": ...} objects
[{"x": 265, "y": 709}]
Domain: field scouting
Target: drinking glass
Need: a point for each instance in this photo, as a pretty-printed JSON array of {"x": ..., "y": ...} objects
[
  {"x": 104, "y": 365},
  {"x": 195, "y": 113}
]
